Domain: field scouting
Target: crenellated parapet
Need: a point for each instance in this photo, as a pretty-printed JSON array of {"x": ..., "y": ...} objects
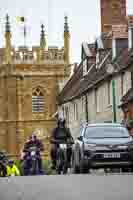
[{"x": 26, "y": 55}]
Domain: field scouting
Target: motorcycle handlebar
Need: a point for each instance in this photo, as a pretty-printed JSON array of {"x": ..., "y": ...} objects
[
  {"x": 61, "y": 141},
  {"x": 30, "y": 149}
]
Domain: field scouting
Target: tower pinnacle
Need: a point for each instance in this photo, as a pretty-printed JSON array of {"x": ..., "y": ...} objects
[
  {"x": 7, "y": 41},
  {"x": 7, "y": 27},
  {"x": 66, "y": 27},
  {"x": 42, "y": 38},
  {"x": 66, "y": 41}
]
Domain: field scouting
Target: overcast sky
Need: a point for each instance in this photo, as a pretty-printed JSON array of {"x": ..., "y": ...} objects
[{"x": 84, "y": 21}]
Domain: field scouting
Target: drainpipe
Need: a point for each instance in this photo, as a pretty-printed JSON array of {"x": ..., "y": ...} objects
[{"x": 86, "y": 109}]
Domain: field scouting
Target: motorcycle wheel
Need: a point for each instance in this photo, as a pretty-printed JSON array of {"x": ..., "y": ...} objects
[
  {"x": 34, "y": 167},
  {"x": 59, "y": 166}
]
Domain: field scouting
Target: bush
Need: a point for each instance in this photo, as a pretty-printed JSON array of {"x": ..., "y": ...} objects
[
  {"x": 18, "y": 163},
  {"x": 47, "y": 167}
]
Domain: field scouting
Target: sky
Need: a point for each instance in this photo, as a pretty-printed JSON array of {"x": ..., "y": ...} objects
[{"x": 83, "y": 18}]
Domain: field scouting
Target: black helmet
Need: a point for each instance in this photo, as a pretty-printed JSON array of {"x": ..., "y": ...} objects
[
  {"x": 61, "y": 121},
  {"x": 2, "y": 156}
]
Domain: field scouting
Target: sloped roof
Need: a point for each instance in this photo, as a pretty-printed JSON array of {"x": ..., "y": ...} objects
[{"x": 79, "y": 85}]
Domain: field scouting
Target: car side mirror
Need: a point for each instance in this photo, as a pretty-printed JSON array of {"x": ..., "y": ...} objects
[{"x": 80, "y": 138}]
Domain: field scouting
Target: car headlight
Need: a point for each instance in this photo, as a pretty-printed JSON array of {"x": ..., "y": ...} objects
[
  {"x": 90, "y": 147},
  {"x": 122, "y": 146}
]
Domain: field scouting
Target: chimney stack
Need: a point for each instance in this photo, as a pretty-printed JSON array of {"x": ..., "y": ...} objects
[
  {"x": 113, "y": 12},
  {"x": 130, "y": 32},
  {"x": 119, "y": 39}
]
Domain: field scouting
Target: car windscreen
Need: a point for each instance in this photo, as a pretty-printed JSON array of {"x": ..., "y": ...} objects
[{"x": 106, "y": 132}]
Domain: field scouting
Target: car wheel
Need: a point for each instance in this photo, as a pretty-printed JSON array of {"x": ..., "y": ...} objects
[
  {"x": 84, "y": 168},
  {"x": 131, "y": 169},
  {"x": 125, "y": 170}
]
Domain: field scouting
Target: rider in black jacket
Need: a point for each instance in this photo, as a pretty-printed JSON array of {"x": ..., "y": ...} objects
[{"x": 61, "y": 133}]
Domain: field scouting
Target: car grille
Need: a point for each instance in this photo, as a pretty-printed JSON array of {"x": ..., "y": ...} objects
[{"x": 112, "y": 151}]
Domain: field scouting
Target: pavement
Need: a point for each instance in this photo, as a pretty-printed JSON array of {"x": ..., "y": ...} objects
[{"x": 67, "y": 187}]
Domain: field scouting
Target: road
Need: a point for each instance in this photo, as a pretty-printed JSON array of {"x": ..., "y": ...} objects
[{"x": 68, "y": 187}]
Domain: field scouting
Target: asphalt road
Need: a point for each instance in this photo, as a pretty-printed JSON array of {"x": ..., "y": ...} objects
[{"x": 69, "y": 187}]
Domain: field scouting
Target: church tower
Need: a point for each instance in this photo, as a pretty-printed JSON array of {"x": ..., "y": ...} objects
[
  {"x": 113, "y": 12},
  {"x": 31, "y": 79}
]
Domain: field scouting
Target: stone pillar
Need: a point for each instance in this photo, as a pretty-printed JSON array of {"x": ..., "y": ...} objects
[{"x": 19, "y": 117}]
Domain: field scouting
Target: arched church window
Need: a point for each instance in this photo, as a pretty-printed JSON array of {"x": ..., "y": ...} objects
[{"x": 37, "y": 100}]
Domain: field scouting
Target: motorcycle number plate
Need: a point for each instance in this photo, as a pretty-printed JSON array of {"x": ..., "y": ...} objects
[
  {"x": 63, "y": 146},
  {"x": 33, "y": 153}
]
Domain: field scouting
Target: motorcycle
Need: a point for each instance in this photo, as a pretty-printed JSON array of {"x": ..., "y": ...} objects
[
  {"x": 62, "y": 163},
  {"x": 32, "y": 161}
]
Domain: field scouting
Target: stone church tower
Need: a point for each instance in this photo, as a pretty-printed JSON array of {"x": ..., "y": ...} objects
[
  {"x": 30, "y": 81},
  {"x": 113, "y": 12}
]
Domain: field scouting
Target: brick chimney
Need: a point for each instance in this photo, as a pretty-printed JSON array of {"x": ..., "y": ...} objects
[
  {"x": 130, "y": 32},
  {"x": 113, "y": 12},
  {"x": 119, "y": 39}
]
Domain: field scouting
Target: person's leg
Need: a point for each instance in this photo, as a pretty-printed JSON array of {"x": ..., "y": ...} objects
[
  {"x": 26, "y": 166},
  {"x": 69, "y": 154},
  {"x": 53, "y": 156},
  {"x": 4, "y": 171}
]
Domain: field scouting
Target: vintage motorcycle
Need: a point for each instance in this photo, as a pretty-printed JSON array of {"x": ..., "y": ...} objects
[{"x": 31, "y": 166}]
